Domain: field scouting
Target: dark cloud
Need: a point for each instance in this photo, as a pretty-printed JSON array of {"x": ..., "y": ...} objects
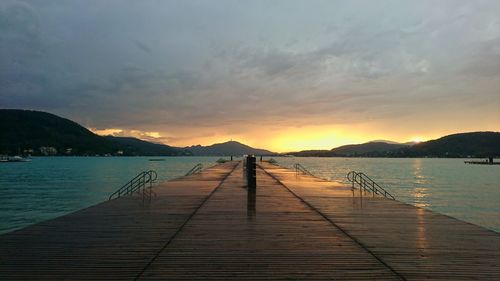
[{"x": 162, "y": 66}]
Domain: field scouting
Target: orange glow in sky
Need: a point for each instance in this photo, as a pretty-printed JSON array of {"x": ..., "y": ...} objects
[
  {"x": 418, "y": 139},
  {"x": 280, "y": 140},
  {"x": 316, "y": 137},
  {"x": 272, "y": 76},
  {"x": 289, "y": 139}
]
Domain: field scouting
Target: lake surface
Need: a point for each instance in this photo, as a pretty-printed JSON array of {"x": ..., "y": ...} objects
[
  {"x": 49, "y": 187},
  {"x": 448, "y": 186}
]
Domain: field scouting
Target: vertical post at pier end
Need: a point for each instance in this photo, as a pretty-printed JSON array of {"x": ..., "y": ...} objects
[{"x": 251, "y": 172}]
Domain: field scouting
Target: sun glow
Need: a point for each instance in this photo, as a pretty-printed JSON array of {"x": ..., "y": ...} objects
[
  {"x": 311, "y": 138},
  {"x": 418, "y": 139},
  {"x": 282, "y": 140},
  {"x": 106, "y": 132},
  {"x": 145, "y": 135}
]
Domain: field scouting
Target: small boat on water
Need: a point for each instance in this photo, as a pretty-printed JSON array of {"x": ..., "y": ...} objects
[
  {"x": 17, "y": 158},
  {"x": 488, "y": 161}
]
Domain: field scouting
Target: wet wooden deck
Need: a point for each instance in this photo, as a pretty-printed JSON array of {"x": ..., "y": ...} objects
[{"x": 206, "y": 226}]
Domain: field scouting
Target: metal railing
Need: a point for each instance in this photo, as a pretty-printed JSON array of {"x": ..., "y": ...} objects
[
  {"x": 272, "y": 162},
  {"x": 196, "y": 169},
  {"x": 302, "y": 169},
  {"x": 367, "y": 184},
  {"x": 141, "y": 182}
]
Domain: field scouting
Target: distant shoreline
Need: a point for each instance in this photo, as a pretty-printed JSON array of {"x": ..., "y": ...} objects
[{"x": 267, "y": 156}]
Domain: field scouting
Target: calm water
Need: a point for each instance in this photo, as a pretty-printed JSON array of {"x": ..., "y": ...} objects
[
  {"x": 448, "y": 186},
  {"x": 49, "y": 187}
]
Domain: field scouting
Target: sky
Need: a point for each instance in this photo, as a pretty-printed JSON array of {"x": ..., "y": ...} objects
[{"x": 283, "y": 75}]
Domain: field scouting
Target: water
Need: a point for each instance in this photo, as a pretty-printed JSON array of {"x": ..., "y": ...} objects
[
  {"x": 448, "y": 186},
  {"x": 49, "y": 187}
]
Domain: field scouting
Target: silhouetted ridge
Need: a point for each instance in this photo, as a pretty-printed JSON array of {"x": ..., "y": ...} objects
[
  {"x": 474, "y": 144},
  {"x": 227, "y": 149},
  {"x": 32, "y": 130}
]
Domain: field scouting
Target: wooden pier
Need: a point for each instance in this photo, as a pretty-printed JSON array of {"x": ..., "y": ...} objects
[{"x": 294, "y": 227}]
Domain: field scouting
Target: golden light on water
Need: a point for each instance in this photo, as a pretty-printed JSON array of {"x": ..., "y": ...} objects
[
  {"x": 420, "y": 191},
  {"x": 422, "y": 241}
]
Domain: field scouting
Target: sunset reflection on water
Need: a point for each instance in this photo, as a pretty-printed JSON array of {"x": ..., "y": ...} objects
[{"x": 420, "y": 191}]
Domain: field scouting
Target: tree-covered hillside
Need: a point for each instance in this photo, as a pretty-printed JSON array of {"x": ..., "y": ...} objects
[{"x": 26, "y": 131}]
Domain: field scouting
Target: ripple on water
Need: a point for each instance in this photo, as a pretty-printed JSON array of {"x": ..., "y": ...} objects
[
  {"x": 49, "y": 187},
  {"x": 448, "y": 186}
]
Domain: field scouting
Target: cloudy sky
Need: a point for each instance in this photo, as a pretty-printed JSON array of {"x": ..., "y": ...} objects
[{"x": 282, "y": 75}]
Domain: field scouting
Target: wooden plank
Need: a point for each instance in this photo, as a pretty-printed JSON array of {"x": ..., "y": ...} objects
[
  {"x": 280, "y": 239},
  {"x": 415, "y": 242},
  {"x": 112, "y": 240},
  {"x": 298, "y": 227}
]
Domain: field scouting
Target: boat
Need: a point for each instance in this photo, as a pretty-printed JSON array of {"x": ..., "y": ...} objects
[
  {"x": 482, "y": 162},
  {"x": 16, "y": 158},
  {"x": 488, "y": 161}
]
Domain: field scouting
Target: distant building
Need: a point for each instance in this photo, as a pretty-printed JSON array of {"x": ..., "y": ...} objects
[
  {"x": 119, "y": 152},
  {"x": 48, "y": 150},
  {"x": 69, "y": 150}
]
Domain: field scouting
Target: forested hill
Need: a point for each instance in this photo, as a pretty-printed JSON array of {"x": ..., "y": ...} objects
[
  {"x": 42, "y": 133},
  {"x": 227, "y": 149},
  {"x": 474, "y": 144},
  {"x": 26, "y": 131}
]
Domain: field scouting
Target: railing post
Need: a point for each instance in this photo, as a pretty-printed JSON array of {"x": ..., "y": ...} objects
[
  {"x": 251, "y": 172},
  {"x": 367, "y": 184},
  {"x": 150, "y": 185},
  {"x": 361, "y": 186},
  {"x": 143, "y": 187},
  {"x": 244, "y": 167}
]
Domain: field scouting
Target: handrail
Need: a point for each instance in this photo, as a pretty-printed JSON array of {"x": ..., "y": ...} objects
[
  {"x": 367, "y": 184},
  {"x": 302, "y": 169},
  {"x": 196, "y": 169},
  {"x": 272, "y": 162},
  {"x": 136, "y": 184}
]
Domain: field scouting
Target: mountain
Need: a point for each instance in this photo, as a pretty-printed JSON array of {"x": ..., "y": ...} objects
[
  {"x": 227, "y": 149},
  {"x": 386, "y": 141},
  {"x": 369, "y": 149},
  {"x": 366, "y": 149},
  {"x": 34, "y": 131},
  {"x": 473, "y": 144},
  {"x": 42, "y": 133},
  {"x": 135, "y": 146},
  {"x": 410, "y": 143},
  {"x": 25, "y": 129},
  {"x": 311, "y": 153}
]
